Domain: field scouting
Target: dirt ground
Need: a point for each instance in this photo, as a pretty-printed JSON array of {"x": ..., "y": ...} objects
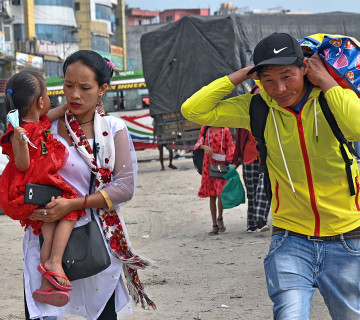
[{"x": 196, "y": 277}]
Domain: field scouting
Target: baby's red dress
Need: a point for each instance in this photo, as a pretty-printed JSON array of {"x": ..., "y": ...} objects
[{"x": 45, "y": 161}]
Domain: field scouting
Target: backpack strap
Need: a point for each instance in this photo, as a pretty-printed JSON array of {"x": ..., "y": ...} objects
[
  {"x": 259, "y": 112},
  {"x": 340, "y": 137}
]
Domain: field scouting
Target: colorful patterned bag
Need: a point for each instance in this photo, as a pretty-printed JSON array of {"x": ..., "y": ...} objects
[{"x": 341, "y": 55}]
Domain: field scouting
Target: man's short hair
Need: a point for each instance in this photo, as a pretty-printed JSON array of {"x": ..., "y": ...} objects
[
  {"x": 277, "y": 49},
  {"x": 298, "y": 63}
]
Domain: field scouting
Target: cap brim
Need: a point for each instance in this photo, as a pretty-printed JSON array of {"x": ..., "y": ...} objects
[{"x": 280, "y": 61}]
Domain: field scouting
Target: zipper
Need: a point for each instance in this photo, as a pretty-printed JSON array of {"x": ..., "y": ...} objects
[
  {"x": 357, "y": 193},
  {"x": 277, "y": 196},
  {"x": 308, "y": 173}
]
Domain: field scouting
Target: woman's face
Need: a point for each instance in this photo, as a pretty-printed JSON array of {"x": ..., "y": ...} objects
[{"x": 81, "y": 90}]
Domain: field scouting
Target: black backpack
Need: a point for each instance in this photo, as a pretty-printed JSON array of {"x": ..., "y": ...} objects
[
  {"x": 198, "y": 156},
  {"x": 259, "y": 111}
]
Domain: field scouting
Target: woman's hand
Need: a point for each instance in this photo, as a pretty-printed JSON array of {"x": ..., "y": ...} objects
[
  {"x": 207, "y": 150},
  {"x": 54, "y": 210}
]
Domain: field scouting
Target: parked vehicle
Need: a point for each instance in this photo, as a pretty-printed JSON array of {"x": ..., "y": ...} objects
[{"x": 181, "y": 57}]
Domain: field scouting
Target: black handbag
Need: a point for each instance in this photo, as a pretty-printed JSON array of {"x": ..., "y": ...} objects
[
  {"x": 86, "y": 253},
  {"x": 217, "y": 170},
  {"x": 198, "y": 156}
]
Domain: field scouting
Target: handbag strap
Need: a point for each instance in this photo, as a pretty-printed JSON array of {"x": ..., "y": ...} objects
[
  {"x": 222, "y": 137},
  {"x": 92, "y": 177}
]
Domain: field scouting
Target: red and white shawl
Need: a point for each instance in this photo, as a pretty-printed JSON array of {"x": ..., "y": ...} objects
[{"x": 112, "y": 222}]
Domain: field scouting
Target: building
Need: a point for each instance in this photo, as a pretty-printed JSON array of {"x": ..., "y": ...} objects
[
  {"x": 176, "y": 14},
  {"x": 44, "y": 34},
  {"x": 138, "y": 17}
]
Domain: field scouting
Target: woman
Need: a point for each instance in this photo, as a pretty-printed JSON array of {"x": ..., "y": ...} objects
[
  {"x": 218, "y": 146},
  {"x": 102, "y": 296}
]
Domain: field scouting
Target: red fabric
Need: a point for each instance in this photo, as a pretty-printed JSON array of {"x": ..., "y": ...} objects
[
  {"x": 43, "y": 170},
  {"x": 212, "y": 186},
  {"x": 245, "y": 147}
]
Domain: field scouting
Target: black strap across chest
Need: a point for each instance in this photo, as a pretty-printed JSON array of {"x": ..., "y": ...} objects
[{"x": 259, "y": 112}]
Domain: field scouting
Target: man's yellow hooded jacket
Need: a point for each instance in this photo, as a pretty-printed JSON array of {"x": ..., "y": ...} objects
[{"x": 307, "y": 172}]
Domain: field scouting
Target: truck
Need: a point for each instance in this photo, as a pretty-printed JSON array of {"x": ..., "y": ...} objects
[{"x": 181, "y": 57}]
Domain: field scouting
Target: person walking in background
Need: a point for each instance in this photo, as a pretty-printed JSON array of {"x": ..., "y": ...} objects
[
  {"x": 247, "y": 155},
  {"x": 218, "y": 146},
  {"x": 26, "y": 92},
  {"x": 315, "y": 204},
  {"x": 161, "y": 152}
]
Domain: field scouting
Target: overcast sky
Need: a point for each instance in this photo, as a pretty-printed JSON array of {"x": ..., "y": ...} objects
[{"x": 314, "y": 6}]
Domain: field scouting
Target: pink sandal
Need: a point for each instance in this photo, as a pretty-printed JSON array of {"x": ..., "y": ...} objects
[
  {"x": 52, "y": 296},
  {"x": 49, "y": 275}
]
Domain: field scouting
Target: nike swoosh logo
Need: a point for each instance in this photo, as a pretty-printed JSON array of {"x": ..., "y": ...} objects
[{"x": 277, "y": 51}]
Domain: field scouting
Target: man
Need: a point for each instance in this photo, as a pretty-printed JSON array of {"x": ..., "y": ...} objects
[
  {"x": 161, "y": 152},
  {"x": 316, "y": 234}
]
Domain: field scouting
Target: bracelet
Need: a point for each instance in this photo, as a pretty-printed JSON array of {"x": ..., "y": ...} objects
[
  {"x": 86, "y": 197},
  {"x": 107, "y": 199}
]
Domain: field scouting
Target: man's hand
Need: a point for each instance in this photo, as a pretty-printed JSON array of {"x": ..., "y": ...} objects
[{"x": 318, "y": 75}]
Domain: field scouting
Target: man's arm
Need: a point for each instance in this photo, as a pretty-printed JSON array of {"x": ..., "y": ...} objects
[
  {"x": 344, "y": 103},
  {"x": 206, "y": 106},
  {"x": 241, "y": 75}
]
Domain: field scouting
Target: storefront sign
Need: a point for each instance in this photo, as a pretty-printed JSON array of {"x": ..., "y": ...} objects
[
  {"x": 24, "y": 59},
  {"x": 117, "y": 51}
]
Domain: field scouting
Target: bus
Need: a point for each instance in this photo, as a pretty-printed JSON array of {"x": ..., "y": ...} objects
[{"x": 127, "y": 98}]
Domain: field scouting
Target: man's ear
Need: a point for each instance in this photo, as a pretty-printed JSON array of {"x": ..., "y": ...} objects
[{"x": 306, "y": 66}]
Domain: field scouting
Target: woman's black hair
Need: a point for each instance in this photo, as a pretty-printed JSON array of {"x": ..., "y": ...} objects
[
  {"x": 103, "y": 70},
  {"x": 23, "y": 89}
]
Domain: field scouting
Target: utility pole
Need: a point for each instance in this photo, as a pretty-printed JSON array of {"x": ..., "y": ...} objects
[
  {"x": 121, "y": 28},
  {"x": 29, "y": 20}
]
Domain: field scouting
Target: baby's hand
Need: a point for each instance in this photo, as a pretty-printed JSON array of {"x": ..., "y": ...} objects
[{"x": 18, "y": 134}]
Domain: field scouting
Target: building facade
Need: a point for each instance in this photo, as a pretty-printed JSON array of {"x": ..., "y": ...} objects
[{"x": 176, "y": 14}]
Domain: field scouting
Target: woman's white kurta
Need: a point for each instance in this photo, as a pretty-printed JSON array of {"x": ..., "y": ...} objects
[{"x": 89, "y": 296}]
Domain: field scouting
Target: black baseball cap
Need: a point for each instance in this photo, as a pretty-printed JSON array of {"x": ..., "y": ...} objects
[{"x": 277, "y": 49}]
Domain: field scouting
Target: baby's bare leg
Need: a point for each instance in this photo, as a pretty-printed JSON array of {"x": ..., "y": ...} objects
[
  {"x": 48, "y": 231},
  {"x": 61, "y": 237}
]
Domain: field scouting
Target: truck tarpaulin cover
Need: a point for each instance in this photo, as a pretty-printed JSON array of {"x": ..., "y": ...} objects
[{"x": 181, "y": 57}]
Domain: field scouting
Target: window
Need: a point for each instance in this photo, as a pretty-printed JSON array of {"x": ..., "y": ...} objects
[
  {"x": 55, "y": 33},
  {"x": 53, "y": 68},
  {"x": 100, "y": 43},
  {"x": 103, "y": 12},
  {"x": 7, "y": 30},
  {"x": 77, "y": 6},
  {"x": 19, "y": 32},
  {"x": 169, "y": 18},
  {"x": 62, "y": 3}
]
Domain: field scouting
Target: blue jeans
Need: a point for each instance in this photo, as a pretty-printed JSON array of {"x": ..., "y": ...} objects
[{"x": 296, "y": 266}]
